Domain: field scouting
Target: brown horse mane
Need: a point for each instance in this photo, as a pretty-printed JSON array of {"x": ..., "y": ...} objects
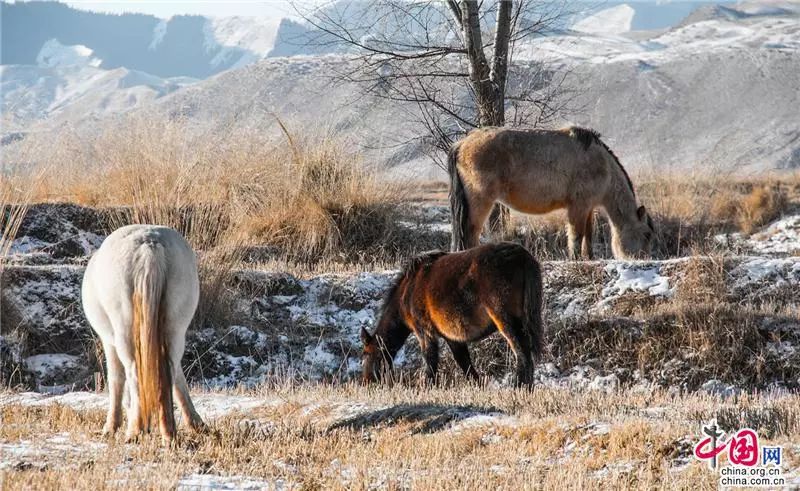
[
  {"x": 586, "y": 136},
  {"x": 410, "y": 269}
]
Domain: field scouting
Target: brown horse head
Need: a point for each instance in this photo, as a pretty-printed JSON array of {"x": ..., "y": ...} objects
[
  {"x": 372, "y": 358},
  {"x": 634, "y": 238},
  {"x": 381, "y": 347}
]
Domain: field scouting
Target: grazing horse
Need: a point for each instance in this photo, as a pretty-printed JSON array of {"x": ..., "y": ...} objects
[
  {"x": 462, "y": 297},
  {"x": 538, "y": 171},
  {"x": 139, "y": 293}
]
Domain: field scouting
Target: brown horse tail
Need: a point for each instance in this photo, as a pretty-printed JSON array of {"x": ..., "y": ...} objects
[
  {"x": 533, "y": 305},
  {"x": 151, "y": 352},
  {"x": 459, "y": 208}
]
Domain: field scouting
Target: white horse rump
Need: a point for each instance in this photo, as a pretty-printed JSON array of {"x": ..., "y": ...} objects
[{"x": 139, "y": 294}]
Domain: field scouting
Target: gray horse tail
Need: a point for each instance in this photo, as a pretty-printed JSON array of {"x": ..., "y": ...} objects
[{"x": 459, "y": 208}]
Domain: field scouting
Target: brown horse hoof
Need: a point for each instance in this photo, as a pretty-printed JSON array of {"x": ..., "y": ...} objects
[{"x": 198, "y": 426}]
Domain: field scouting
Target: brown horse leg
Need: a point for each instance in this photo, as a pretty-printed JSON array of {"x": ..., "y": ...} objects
[
  {"x": 461, "y": 355},
  {"x": 586, "y": 245},
  {"x": 511, "y": 329},
  {"x": 430, "y": 351},
  {"x": 575, "y": 231},
  {"x": 478, "y": 214}
]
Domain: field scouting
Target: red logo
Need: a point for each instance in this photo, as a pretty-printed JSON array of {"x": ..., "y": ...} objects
[{"x": 742, "y": 447}]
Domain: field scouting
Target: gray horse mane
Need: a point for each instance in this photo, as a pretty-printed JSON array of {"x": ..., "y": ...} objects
[{"x": 587, "y": 136}]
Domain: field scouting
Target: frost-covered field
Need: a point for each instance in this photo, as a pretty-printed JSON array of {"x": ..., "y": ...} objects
[
  {"x": 307, "y": 327},
  {"x": 346, "y": 437},
  {"x": 639, "y": 355}
]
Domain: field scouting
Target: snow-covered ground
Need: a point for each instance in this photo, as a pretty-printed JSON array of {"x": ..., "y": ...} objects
[{"x": 309, "y": 327}]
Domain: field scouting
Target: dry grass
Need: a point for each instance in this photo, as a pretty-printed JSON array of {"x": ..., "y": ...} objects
[
  {"x": 306, "y": 199},
  {"x": 691, "y": 209},
  {"x": 300, "y": 435},
  {"x": 234, "y": 195},
  {"x": 14, "y": 202},
  {"x": 310, "y": 200}
]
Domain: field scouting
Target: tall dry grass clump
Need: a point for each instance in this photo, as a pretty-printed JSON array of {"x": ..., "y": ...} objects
[
  {"x": 327, "y": 204},
  {"x": 309, "y": 197},
  {"x": 762, "y": 205},
  {"x": 13, "y": 205},
  {"x": 690, "y": 210}
]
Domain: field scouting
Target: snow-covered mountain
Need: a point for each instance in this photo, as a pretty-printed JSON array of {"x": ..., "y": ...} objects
[
  {"x": 719, "y": 87},
  {"x": 191, "y": 46}
]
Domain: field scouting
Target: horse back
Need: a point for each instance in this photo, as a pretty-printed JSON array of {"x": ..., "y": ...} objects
[
  {"x": 456, "y": 292},
  {"x": 534, "y": 171}
]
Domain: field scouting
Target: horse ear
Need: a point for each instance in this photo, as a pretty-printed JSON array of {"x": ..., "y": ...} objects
[
  {"x": 366, "y": 337},
  {"x": 641, "y": 212}
]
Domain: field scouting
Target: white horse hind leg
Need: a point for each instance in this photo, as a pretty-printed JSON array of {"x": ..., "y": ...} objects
[
  {"x": 125, "y": 354},
  {"x": 116, "y": 385},
  {"x": 180, "y": 389},
  {"x": 100, "y": 323}
]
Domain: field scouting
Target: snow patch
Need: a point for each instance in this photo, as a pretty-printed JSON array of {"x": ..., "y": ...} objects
[
  {"x": 54, "y": 448},
  {"x": 45, "y": 365},
  {"x": 614, "y": 20},
  {"x": 634, "y": 277},
  {"x": 158, "y": 34},
  {"x": 781, "y": 237},
  {"x": 198, "y": 482},
  {"x": 209, "y": 405},
  {"x": 777, "y": 271},
  {"x": 607, "y": 384},
  {"x": 321, "y": 359},
  {"x": 484, "y": 419},
  {"x": 54, "y": 54}
]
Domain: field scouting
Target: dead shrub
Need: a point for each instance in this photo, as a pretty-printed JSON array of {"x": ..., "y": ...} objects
[
  {"x": 762, "y": 205},
  {"x": 306, "y": 199},
  {"x": 770, "y": 421},
  {"x": 684, "y": 343},
  {"x": 703, "y": 280},
  {"x": 330, "y": 205}
]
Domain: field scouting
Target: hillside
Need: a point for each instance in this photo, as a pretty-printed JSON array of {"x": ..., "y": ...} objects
[{"x": 717, "y": 91}]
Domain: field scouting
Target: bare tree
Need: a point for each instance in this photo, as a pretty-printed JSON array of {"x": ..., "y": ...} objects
[{"x": 437, "y": 56}]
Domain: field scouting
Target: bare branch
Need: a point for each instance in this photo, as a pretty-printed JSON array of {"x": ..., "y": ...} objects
[{"x": 429, "y": 58}]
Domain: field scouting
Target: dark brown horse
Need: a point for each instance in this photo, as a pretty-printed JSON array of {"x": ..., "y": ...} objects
[{"x": 462, "y": 297}]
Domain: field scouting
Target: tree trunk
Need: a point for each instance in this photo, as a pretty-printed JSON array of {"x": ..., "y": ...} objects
[
  {"x": 489, "y": 84},
  {"x": 499, "y": 71}
]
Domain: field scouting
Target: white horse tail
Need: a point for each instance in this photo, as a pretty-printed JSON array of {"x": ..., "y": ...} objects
[{"x": 151, "y": 350}]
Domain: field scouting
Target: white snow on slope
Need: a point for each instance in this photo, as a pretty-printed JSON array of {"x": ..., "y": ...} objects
[
  {"x": 37, "y": 92},
  {"x": 708, "y": 36},
  {"x": 609, "y": 21},
  {"x": 55, "y": 54},
  {"x": 249, "y": 38},
  {"x": 256, "y": 34},
  {"x": 781, "y": 237},
  {"x": 158, "y": 34}
]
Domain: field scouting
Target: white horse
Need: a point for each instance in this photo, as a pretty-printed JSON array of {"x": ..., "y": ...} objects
[{"x": 139, "y": 293}]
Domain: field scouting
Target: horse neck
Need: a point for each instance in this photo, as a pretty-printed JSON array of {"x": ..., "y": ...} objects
[
  {"x": 392, "y": 335},
  {"x": 619, "y": 201}
]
